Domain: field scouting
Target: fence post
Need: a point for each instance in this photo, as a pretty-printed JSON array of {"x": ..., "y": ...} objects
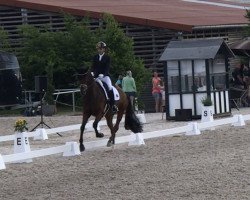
[
  {"x": 2, "y": 164},
  {"x": 136, "y": 139},
  {"x": 239, "y": 121},
  {"x": 74, "y": 149},
  {"x": 40, "y": 134},
  {"x": 194, "y": 129}
]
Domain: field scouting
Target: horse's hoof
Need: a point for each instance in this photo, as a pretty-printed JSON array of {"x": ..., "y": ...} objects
[
  {"x": 82, "y": 148},
  {"x": 100, "y": 135},
  {"x": 110, "y": 143}
]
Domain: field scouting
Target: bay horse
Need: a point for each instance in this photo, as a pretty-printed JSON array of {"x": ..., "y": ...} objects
[{"x": 95, "y": 103}]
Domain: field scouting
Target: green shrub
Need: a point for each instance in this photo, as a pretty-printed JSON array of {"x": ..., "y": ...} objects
[{"x": 206, "y": 101}]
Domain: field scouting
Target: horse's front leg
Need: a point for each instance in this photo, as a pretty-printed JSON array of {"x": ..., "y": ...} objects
[
  {"x": 95, "y": 125},
  {"x": 84, "y": 122}
]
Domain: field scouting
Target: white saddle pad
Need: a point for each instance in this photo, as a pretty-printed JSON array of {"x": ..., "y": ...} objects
[
  {"x": 116, "y": 94},
  {"x": 115, "y": 91}
]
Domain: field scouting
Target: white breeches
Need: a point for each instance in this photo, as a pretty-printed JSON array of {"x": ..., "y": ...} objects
[{"x": 106, "y": 80}]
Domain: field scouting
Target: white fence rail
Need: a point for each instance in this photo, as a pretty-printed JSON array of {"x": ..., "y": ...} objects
[
  {"x": 71, "y": 148},
  {"x": 88, "y": 127}
]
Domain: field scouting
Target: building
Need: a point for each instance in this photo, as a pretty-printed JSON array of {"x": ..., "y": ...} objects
[
  {"x": 151, "y": 24},
  {"x": 196, "y": 69}
]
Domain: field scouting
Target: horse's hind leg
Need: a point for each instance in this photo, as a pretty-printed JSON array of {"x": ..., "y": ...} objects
[
  {"x": 115, "y": 128},
  {"x": 84, "y": 122},
  {"x": 111, "y": 140},
  {"x": 95, "y": 125},
  {"x": 118, "y": 120}
]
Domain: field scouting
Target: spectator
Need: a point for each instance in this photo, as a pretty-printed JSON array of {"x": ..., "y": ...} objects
[
  {"x": 156, "y": 91},
  {"x": 129, "y": 87},
  {"x": 162, "y": 86},
  {"x": 246, "y": 76},
  {"x": 119, "y": 81},
  {"x": 238, "y": 76}
]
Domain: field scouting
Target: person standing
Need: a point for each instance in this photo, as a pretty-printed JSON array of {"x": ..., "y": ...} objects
[
  {"x": 119, "y": 81},
  {"x": 237, "y": 75},
  {"x": 100, "y": 69},
  {"x": 156, "y": 91},
  {"x": 129, "y": 87}
]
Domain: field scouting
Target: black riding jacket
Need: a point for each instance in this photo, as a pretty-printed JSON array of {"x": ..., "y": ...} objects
[{"x": 102, "y": 66}]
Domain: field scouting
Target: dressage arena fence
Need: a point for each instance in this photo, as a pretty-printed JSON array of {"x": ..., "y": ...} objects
[{"x": 22, "y": 152}]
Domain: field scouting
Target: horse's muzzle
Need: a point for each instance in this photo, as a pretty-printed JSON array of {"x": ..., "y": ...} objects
[{"x": 83, "y": 89}]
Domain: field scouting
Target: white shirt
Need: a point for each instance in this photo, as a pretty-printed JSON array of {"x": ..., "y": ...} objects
[{"x": 100, "y": 56}]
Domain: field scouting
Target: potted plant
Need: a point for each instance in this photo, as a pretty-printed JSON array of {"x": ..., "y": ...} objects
[
  {"x": 206, "y": 101},
  {"x": 207, "y": 109},
  {"x": 20, "y": 125}
]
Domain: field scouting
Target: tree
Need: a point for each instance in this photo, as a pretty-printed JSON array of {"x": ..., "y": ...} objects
[
  {"x": 59, "y": 54},
  {"x": 55, "y": 54},
  {"x": 4, "y": 43}
]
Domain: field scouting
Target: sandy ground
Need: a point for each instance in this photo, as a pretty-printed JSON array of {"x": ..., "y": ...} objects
[{"x": 213, "y": 165}]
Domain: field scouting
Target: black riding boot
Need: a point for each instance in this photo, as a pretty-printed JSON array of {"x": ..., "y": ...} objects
[{"x": 113, "y": 107}]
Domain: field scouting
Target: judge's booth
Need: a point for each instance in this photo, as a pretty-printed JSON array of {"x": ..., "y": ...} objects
[{"x": 193, "y": 70}]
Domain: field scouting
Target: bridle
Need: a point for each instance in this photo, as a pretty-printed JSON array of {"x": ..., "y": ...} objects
[{"x": 85, "y": 87}]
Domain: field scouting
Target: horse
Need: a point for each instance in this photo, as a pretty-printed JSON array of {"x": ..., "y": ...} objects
[{"x": 95, "y": 104}]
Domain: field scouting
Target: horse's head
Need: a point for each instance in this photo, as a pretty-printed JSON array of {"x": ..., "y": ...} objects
[{"x": 86, "y": 80}]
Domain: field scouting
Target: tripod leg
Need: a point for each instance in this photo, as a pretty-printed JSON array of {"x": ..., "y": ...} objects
[
  {"x": 36, "y": 126},
  {"x": 49, "y": 127},
  {"x": 46, "y": 125}
]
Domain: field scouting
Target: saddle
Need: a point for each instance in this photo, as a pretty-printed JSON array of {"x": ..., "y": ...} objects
[
  {"x": 105, "y": 90},
  {"x": 111, "y": 97}
]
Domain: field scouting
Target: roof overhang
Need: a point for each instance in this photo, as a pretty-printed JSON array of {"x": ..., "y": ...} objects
[
  {"x": 181, "y": 15},
  {"x": 195, "y": 49}
]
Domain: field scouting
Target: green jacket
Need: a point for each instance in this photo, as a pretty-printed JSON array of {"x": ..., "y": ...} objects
[{"x": 128, "y": 84}]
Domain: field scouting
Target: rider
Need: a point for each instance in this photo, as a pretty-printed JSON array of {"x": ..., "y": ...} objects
[{"x": 100, "y": 69}]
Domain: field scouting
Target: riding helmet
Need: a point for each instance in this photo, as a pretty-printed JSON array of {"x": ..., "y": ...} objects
[{"x": 101, "y": 45}]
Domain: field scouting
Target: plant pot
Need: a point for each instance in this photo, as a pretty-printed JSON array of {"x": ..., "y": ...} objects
[{"x": 49, "y": 110}]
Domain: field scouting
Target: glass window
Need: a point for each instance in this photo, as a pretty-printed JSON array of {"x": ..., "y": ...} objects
[
  {"x": 186, "y": 76},
  {"x": 199, "y": 76},
  {"x": 173, "y": 74},
  {"x": 218, "y": 81}
]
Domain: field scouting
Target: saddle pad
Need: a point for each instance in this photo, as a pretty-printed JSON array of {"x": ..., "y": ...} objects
[
  {"x": 115, "y": 91},
  {"x": 116, "y": 94},
  {"x": 102, "y": 86}
]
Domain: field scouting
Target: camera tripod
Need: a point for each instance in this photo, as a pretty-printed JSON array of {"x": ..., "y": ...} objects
[{"x": 42, "y": 123}]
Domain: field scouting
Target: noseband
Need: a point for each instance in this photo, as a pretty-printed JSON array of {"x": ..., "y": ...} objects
[{"x": 84, "y": 87}]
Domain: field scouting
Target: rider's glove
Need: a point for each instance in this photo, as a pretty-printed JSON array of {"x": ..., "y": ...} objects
[
  {"x": 92, "y": 73},
  {"x": 100, "y": 75}
]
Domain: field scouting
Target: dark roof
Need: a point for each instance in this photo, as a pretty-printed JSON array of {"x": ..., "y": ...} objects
[
  {"x": 243, "y": 44},
  {"x": 171, "y": 14},
  {"x": 241, "y": 47},
  {"x": 194, "y": 49}
]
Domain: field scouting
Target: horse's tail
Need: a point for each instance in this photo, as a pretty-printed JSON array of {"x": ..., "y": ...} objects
[{"x": 131, "y": 120}]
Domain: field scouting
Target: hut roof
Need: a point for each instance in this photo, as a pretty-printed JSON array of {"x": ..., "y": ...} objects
[{"x": 195, "y": 49}]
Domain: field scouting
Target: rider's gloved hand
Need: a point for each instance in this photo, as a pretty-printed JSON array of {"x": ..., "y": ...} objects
[
  {"x": 92, "y": 73},
  {"x": 100, "y": 75}
]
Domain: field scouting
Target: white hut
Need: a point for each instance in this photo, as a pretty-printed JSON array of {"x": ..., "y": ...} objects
[{"x": 195, "y": 69}]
